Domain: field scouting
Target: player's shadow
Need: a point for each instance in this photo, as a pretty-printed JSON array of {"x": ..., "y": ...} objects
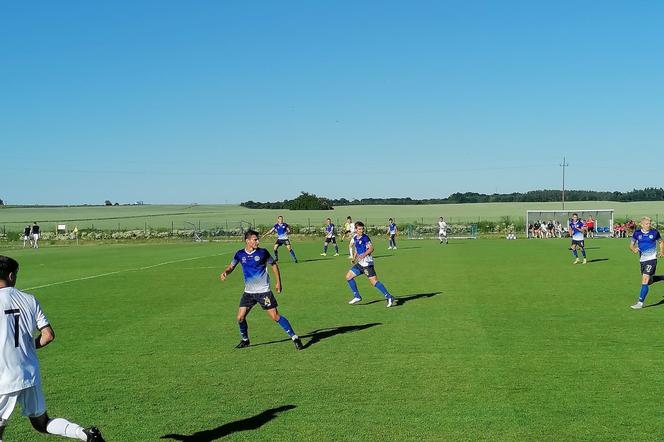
[
  {"x": 383, "y": 256},
  {"x": 312, "y": 260},
  {"x": 323, "y": 333},
  {"x": 592, "y": 248},
  {"x": 657, "y": 304},
  {"x": 250, "y": 423},
  {"x": 401, "y": 300},
  {"x": 598, "y": 260}
]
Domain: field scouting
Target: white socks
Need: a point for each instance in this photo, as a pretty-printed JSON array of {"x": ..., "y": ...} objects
[{"x": 62, "y": 427}]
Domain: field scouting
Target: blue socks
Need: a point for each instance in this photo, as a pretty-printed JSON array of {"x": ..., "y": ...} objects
[
  {"x": 644, "y": 292},
  {"x": 292, "y": 254},
  {"x": 576, "y": 255},
  {"x": 583, "y": 252},
  {"x": 379, "y": 285},
  {"x": 336, "y": 248},
  {"x": 325, "y": 248},
  {"x": 353, "y": 287},
  {"x": 244, "y": 329},
  {"x": 283, "y": 322},
  {"x": 276, "y": 255}
]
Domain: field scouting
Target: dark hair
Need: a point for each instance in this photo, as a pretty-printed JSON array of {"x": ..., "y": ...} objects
[
  {"x": 348, "y": 217},
  {"x": 249, "y": 233},
  {"x": 7, "y": 265},
  {"x": 390, "y": 219},
  {"x": 359, "y": 224},
  {"x": 574, "y": 214},
  {"x": 328, "y": 219}
]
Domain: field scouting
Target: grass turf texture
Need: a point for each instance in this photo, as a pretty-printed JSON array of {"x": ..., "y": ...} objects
[
  {"x": 14, "y": 219},
  {"x": 502, "y": 340}
]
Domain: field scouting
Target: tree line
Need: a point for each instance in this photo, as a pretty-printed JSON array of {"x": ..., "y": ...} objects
[{"x": 307, "y": 201}]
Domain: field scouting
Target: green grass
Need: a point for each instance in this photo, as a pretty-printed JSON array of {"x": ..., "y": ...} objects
[
  {"x": 497, "y": 340},
  {"x": 13, "y": 219}
]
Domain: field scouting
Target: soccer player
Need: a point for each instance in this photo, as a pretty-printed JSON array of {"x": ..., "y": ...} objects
[
  {"x": 20, "y": 380},
  {"x": 349, "y": 229},
  {"x": 27, "y": 236},
  {"x": 590, "y": 226},
  {"x": 34, "y": 232},
  {"x": 364, "y": 264},
  {"x": 644, "y": 242},
  {"x": 330, "y": 237},
  {"x": 442, "y": 230},
  {"x": 254, "y": 262},
  {"x": 576, "y": 232},
  {"x": 282, "y": 230},
  {"x": 392, "y": 234}
]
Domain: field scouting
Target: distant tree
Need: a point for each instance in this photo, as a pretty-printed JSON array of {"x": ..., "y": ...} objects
[
  {"x": 116, "y": 204},
  {"x": 108, "y": 203},
  {"x": 2, "y": 203}
]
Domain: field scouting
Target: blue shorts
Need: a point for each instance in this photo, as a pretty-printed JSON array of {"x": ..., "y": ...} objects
[
  {"x": 578, "y": 243},
  {"x": 266, "y": 300},
  {"x": 282, "y": 242}
]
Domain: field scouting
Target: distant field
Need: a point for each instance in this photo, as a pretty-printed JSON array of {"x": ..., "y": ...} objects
[
  {"x": 13, "y": 219},
  {"x": 494, "y": 340}
]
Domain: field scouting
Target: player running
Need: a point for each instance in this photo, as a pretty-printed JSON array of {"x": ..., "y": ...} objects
[
  {"x": 392, "y": 234},
  {"x": 254, "y": 262},
  {"x": 349, "y": 229},
  {"x": 575, "y": 229},
  {"x": 330, "y": 237},
  {"x": 644, "y": 242},
  {"x": 442, "y": 230},
  {"x": 20, "y": 379},
  {"x": 282, "y": 230},
  {"x": 364, "y": 264}
]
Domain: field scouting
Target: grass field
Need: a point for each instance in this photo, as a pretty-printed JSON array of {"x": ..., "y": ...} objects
[
  {"x": 494, "y": 340},
  {"x": 13, "y": 219}
]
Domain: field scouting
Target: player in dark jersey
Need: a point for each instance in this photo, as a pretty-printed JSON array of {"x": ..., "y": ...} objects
[
  {"x": 364, "y": 263},
  {"x": 576, "y": 227},
  {"x": 330, "y": 237},
  {"x": 282, "y": 230},
  {"x": 27, "y": 236},
  {"x": 254, "y": 261},
  {"x": 644, "y": 243},
  {"x": 34, "y": 233}
]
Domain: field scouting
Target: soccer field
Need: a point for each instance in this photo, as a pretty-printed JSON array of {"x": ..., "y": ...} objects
[{"x": 493, "y": 340}]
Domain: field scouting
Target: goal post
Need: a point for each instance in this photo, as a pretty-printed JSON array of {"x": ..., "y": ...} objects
[{"x": 603, "y": 219}]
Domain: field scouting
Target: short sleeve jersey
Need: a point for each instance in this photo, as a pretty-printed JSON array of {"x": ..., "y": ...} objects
[
  {"x": 282, "y": 230},
  {"x": 329, "y": 230},
  {"x": 577, "y": 229},
  {"x": 26, "y": 231},
  {"x": 254, "y": 267},
  {"x": 442, "y": 226},
  {"x": 35, "y": 229},
  {"x": 647, "y": 243},
  {"x": 21, "y": 316},
  {"x": 393, "y": 229},
  {"x": 361, "y": 244}
]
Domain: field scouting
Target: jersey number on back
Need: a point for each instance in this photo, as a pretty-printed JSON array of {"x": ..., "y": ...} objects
[{"x": 17, "y": 314}]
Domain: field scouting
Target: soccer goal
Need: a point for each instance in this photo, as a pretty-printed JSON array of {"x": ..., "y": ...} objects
[{"x": 603, "y": 219}]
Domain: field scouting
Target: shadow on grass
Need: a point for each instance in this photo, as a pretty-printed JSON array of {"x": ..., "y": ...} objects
[
  {"x": 323, "y": 333},
  {"x": 598, "y": 260},
  {"x": 656, "y": 304},
  {"x": 401, "y": 300},
  {"x": 312, "y": 260},
  {"x": 250, "y": 423}
]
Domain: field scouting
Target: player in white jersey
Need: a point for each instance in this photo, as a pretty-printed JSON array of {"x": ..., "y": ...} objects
[
  {"x": 20, "y": 380},
  {"x": 442, "y": 230},
  {"x": 349, "y": 229}
]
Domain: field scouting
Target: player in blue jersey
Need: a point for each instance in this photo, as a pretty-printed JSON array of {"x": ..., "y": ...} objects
[
  {"x": 330, "y": 237},
  {"x": 282, "y": 230},
  {"x": 576, "y": 227},
  {"x": 644, "y": 242},
  {"x": 392, "y": 234},
  {"x": 364, "y": 263},
  {"x": 254, "y": 261}
]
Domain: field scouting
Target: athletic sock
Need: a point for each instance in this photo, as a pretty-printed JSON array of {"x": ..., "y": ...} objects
[
  {"x": 353, "y": 287},
  {"x": 244, "y": 329},
  {"x": 379, "y": 285},
  {"x": 644, "y": 292},
  {"x": 292, "y": 254},
  {"x": 583, "y": 252},
  {"x": 283, "y": 322},
  {"x": 325, "y": 248},
  {"x": 276, "y": 255},
  {"x": 336, "y": 248},
  {"x": 576, "y": 255},
  {"x": 62, "y": 427}
]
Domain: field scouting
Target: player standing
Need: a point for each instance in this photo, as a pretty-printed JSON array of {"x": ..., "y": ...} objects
[
  {"x": 282, "y": 230},
  {"x": 20, "y": 379},
  {"x": 27, "y": 236},
  {"x": 364, "y": 264},
  {"x": 34, "y": 232},
  {"x": 330, "y": 237},
  {"x": 576, "y": 232},
  {"x": 254, "y": 262},
  {"x": 392, "y": 234},
  {"x": 442, "y": 230},
  {"x": 644, "y": 242},
  {"x": 349, "y": 229}
]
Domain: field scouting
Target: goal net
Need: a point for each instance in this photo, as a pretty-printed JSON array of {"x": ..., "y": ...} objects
[{"x": 603, "y": 220}]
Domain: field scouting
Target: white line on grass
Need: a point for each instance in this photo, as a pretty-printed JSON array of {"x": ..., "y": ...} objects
[{"x": 101, "y": 275}]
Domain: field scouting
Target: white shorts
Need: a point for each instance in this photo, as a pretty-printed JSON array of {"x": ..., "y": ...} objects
[
  {"x": 442, "y": 232},
  {"x": 26, "y": 237},
  {"x": 31, "y": 400},
  {"x": 35, "y": 236}
]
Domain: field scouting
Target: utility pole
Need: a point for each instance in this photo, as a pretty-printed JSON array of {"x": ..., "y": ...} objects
[{"x": 564, "y": 165}]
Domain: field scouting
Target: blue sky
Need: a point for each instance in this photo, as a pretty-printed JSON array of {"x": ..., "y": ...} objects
[{"x": 214, "y": 102}]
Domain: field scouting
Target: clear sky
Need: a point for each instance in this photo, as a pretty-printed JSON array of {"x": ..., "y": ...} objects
[{"x": 220, "y": 101}]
